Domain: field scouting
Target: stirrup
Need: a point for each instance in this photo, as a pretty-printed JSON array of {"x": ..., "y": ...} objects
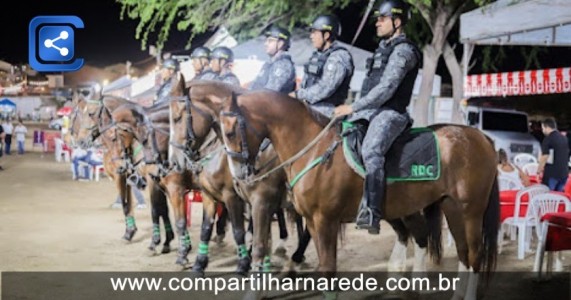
[{"x": 369, "y": 224}]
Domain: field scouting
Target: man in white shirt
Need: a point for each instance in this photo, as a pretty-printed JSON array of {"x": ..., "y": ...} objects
[{"x": 20, "y": 132}]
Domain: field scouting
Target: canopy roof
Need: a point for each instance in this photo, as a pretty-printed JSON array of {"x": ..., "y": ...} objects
[{"x": 523, "y": 22}]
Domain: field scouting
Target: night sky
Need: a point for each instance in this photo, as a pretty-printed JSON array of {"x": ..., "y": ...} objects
[
  {"x": 104, "y": 40},
  {"x": 108, "y": 40}
]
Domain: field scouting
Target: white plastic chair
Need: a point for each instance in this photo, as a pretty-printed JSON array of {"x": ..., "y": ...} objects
[
  {"x": 508, "y": 184},
  {"x": 547, "y": 203},
  {"x": 98, "y": 170},
  {"x": 530, "y": 169},
  {"x": 522, "y": 223},
  {"x": 522, "y": 159}
]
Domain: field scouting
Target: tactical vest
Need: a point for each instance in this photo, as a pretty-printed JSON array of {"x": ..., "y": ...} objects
[
  {"x": 376, "y": 67},
  {"x": 264, "y": 76},
  {"x": 164, "y": 90},
  {"x": 225, "y": 77},
  {"x": 314, "y": 70},
  {"x": 206, "y": 74}
]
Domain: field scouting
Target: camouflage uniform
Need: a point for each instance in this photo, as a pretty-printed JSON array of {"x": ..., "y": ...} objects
[
  {"x": 386, "y": 93},
  {"x": 277, "y": 75},
  {"x": 206, "y": 75},
  {"x": 326, "y": 79},
  {"x": 163, "y": 93},
  {"x": 229, "y": 77}
]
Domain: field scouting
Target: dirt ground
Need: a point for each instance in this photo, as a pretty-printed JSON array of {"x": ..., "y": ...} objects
[{"x": 50, "y": 223}]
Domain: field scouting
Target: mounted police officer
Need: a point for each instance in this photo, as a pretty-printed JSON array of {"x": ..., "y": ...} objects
[
  {"x": 201, "y": 63},
  {"x": 279, "y": 73},
  {"x": 385, "y": 96},
  {"x": 328, "y": 73},
  {"x": 221, "y": 60},
  {"x": 169, "y": 70}
]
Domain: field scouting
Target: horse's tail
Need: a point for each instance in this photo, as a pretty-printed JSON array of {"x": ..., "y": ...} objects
[
  {"x": 490, "y": 229},
  {"x": 433, "y": 216}
]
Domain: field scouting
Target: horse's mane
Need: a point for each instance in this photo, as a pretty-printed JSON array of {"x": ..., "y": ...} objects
[
  {"x": 316, "y": 116},
  {"x": 219, "y": 86}
]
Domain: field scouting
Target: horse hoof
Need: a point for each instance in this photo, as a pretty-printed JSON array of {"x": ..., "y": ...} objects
[
  {"x": 183, "y": 261},
  {"x": 166, "y": 249},
  {"x": 200, "y": 264},
  {"x": 298, "y": 259},
  {"x": 280, "y": 252},
  {"x": 169, "y": 237},
  {"x": 219, "y": 240},
  {"x": 129, "y": 233},
  {"x": 244, "y": 266}
]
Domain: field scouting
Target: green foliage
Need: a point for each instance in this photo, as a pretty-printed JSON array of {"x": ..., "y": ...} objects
[{"x": 243, "y": 18}]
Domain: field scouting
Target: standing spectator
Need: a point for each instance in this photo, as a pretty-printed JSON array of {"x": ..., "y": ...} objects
[
  {"x": 1, "y": 143},
  {"x": 554, "y": 156},
  {"x": 20, "y": 132},
  {"x": 8, "y": 130}
]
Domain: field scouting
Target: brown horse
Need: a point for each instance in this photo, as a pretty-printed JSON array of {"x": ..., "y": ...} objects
[
  {"x": 207, "y": 98},
  {"x": 329, "y": 194},
  {"x": 150, "y": 126},
  {"x": 90, "y": 121},
  {"x": 190, "y": 122}
]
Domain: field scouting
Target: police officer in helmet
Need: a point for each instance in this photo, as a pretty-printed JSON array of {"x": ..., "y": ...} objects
[
  {"x": 201, "y": 63},
  {"x": 385, "y": 96},
  {"x": 328, "y": 73},
  {"x": 221, "y": 60},
  {"x": 169, "y": 70},
  {"x": 279, "y": 73}
]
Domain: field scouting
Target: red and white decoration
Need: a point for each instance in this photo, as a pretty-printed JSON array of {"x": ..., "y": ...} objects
[{"x": 536, "y": 82}]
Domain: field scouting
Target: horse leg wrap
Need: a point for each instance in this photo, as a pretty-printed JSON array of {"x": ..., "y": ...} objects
[
  {"x": 156, "y": 234},
  {"x": 184, "y": 242},
  {"x": 130, "y": 229},
  {"x": 267, "y": 264},
  {"x": 130, "y": 222},
  {"x": 169, "y": 233}
]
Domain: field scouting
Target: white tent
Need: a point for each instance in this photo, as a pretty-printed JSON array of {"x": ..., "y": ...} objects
[{"x": 524, "y": 22}]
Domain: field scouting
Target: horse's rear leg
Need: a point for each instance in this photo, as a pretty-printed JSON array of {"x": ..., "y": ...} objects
[
  {"x": 208, "y": 214},
  {"x": 454, "y": 217},
  {"x": 163, "y": 211},
  {"x": 397, "y": 260},
  {"x": 303, "y": 240},
  {"x": 157, "y": 200},
  {"x": 221, "y": 223}
]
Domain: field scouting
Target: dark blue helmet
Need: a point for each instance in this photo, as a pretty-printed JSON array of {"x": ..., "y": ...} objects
[
  {"x": 394, "y": 9},
  {"x": 327, "y": 23},
  {"x": 170, "y": 64}
]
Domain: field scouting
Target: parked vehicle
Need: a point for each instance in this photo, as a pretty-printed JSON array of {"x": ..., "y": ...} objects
[{"x": 509, "y": 129}]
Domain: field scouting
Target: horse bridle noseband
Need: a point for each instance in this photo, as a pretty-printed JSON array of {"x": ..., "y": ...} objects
[{"x": 244, "y": 155}]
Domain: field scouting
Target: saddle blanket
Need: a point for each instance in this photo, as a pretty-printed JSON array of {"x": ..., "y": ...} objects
[{"x": 414, "y": 156}]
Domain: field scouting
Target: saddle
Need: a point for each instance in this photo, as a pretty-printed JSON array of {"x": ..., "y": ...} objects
[{"x": 414, "y": 156}]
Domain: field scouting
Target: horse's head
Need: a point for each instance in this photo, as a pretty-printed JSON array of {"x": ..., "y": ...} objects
[
  {"x": 242, "y": 136},
  {"x": 128, "y": 124},
  {"x": 83, "y": 120}
]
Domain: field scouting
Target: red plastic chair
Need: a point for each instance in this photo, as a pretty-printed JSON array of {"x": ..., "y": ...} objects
[{"x": 555, "y": 236}]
